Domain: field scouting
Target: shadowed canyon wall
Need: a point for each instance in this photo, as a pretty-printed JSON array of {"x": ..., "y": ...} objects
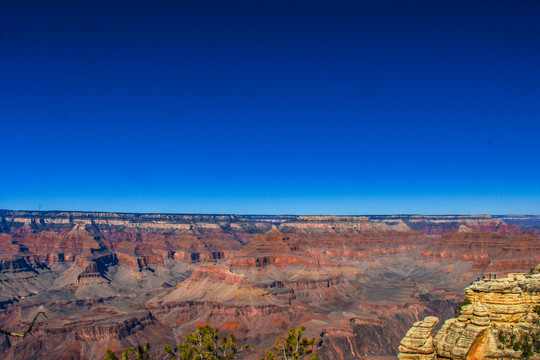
[{"x": 109, "y": 280}]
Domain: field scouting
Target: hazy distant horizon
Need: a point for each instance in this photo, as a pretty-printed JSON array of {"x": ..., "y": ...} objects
[{"x": 259, "y": 214}]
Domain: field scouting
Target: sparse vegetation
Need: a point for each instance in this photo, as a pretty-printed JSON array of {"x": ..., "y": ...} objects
[
  {"x": 295, "y": 347},
  {"x": 141, "y": 353},
  {"x": 460, "y": 305},
  {"x": 27, "y": 331},
  {"x": 526, "y": 342},
  {"x": 502, "y": 337},
  {"x": 204, "y": 344}
]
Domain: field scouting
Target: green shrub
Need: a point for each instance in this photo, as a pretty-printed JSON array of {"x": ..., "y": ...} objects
[
  {"x": 295, "y": 347},
  {"x": 527, "y": 350},
  {"x": 204, "y": 344},
  {"x": 141, "y": 353},
  {"x": 460, "y": 305},
  {"x": 502, "y": 337}
]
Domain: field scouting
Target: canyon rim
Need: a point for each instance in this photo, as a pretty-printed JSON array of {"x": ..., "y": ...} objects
[{"x": 357, "y": 283}]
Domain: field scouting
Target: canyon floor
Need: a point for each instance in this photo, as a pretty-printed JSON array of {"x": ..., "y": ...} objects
[{"x": 357, "y": 283}]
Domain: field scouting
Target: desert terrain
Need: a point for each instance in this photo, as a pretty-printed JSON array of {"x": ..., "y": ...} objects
[{"x": 357, "y": 283}]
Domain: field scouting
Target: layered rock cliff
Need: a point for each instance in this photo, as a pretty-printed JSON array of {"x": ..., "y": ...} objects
[
  {"x": 110, "y": 280},
  {"x": 500, "y": 319}
]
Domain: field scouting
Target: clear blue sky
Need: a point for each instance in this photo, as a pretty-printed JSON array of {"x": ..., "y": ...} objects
[{"x": 335, "y": 107}]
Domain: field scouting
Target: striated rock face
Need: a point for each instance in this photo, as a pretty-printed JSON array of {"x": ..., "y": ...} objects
[
  {"x": 501, "y": 320},
  {"x": 456, "y": 339},
  {"x": 16, "y": 264},
  {"x": 418, "y": 342},
  {"x": 108, "y": 280}
]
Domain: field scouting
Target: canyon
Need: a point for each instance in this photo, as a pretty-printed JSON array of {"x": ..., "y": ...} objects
[
  {"x": 499, "y": 319},
  {"x": 357, "y": 283}
]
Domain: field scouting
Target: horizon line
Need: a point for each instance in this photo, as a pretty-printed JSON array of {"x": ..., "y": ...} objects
[{"x": 253, "y": 214}]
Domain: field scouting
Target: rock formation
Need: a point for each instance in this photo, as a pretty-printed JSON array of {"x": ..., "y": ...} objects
[
  {"x": 418, "y": 342},
  {"x": 108, "y": 280},
  {"x": 500, "y": 320}
]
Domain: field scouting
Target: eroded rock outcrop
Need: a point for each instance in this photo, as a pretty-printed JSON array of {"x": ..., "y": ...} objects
[
  {"x": 500, "y": 320},
  {"x": 458, "y": 337},
  {"x": 418, "y": 342}
]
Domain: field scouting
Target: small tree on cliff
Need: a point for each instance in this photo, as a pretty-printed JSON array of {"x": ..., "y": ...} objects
[
  {"x": 295, "y": 347},
  {"x": 27, "y": 331},
  {"x": 141, "y": 353},
  {"x": 203, "y": 344}
]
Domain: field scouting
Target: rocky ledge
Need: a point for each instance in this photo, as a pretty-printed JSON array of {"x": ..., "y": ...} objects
[{"x": 499, "y": 319}]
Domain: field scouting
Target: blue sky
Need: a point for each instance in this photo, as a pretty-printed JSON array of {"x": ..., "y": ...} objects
[{"x": 271, "y": 107}]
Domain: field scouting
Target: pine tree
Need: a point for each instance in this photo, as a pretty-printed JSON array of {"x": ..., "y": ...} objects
[
  {"x": 295, "y": 347},
  {"x": 204, "y": 344},
  {"x": 141, "y": 353}
]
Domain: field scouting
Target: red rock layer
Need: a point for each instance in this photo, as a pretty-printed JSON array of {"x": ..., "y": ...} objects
[{"x": 356, "y": 283}]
